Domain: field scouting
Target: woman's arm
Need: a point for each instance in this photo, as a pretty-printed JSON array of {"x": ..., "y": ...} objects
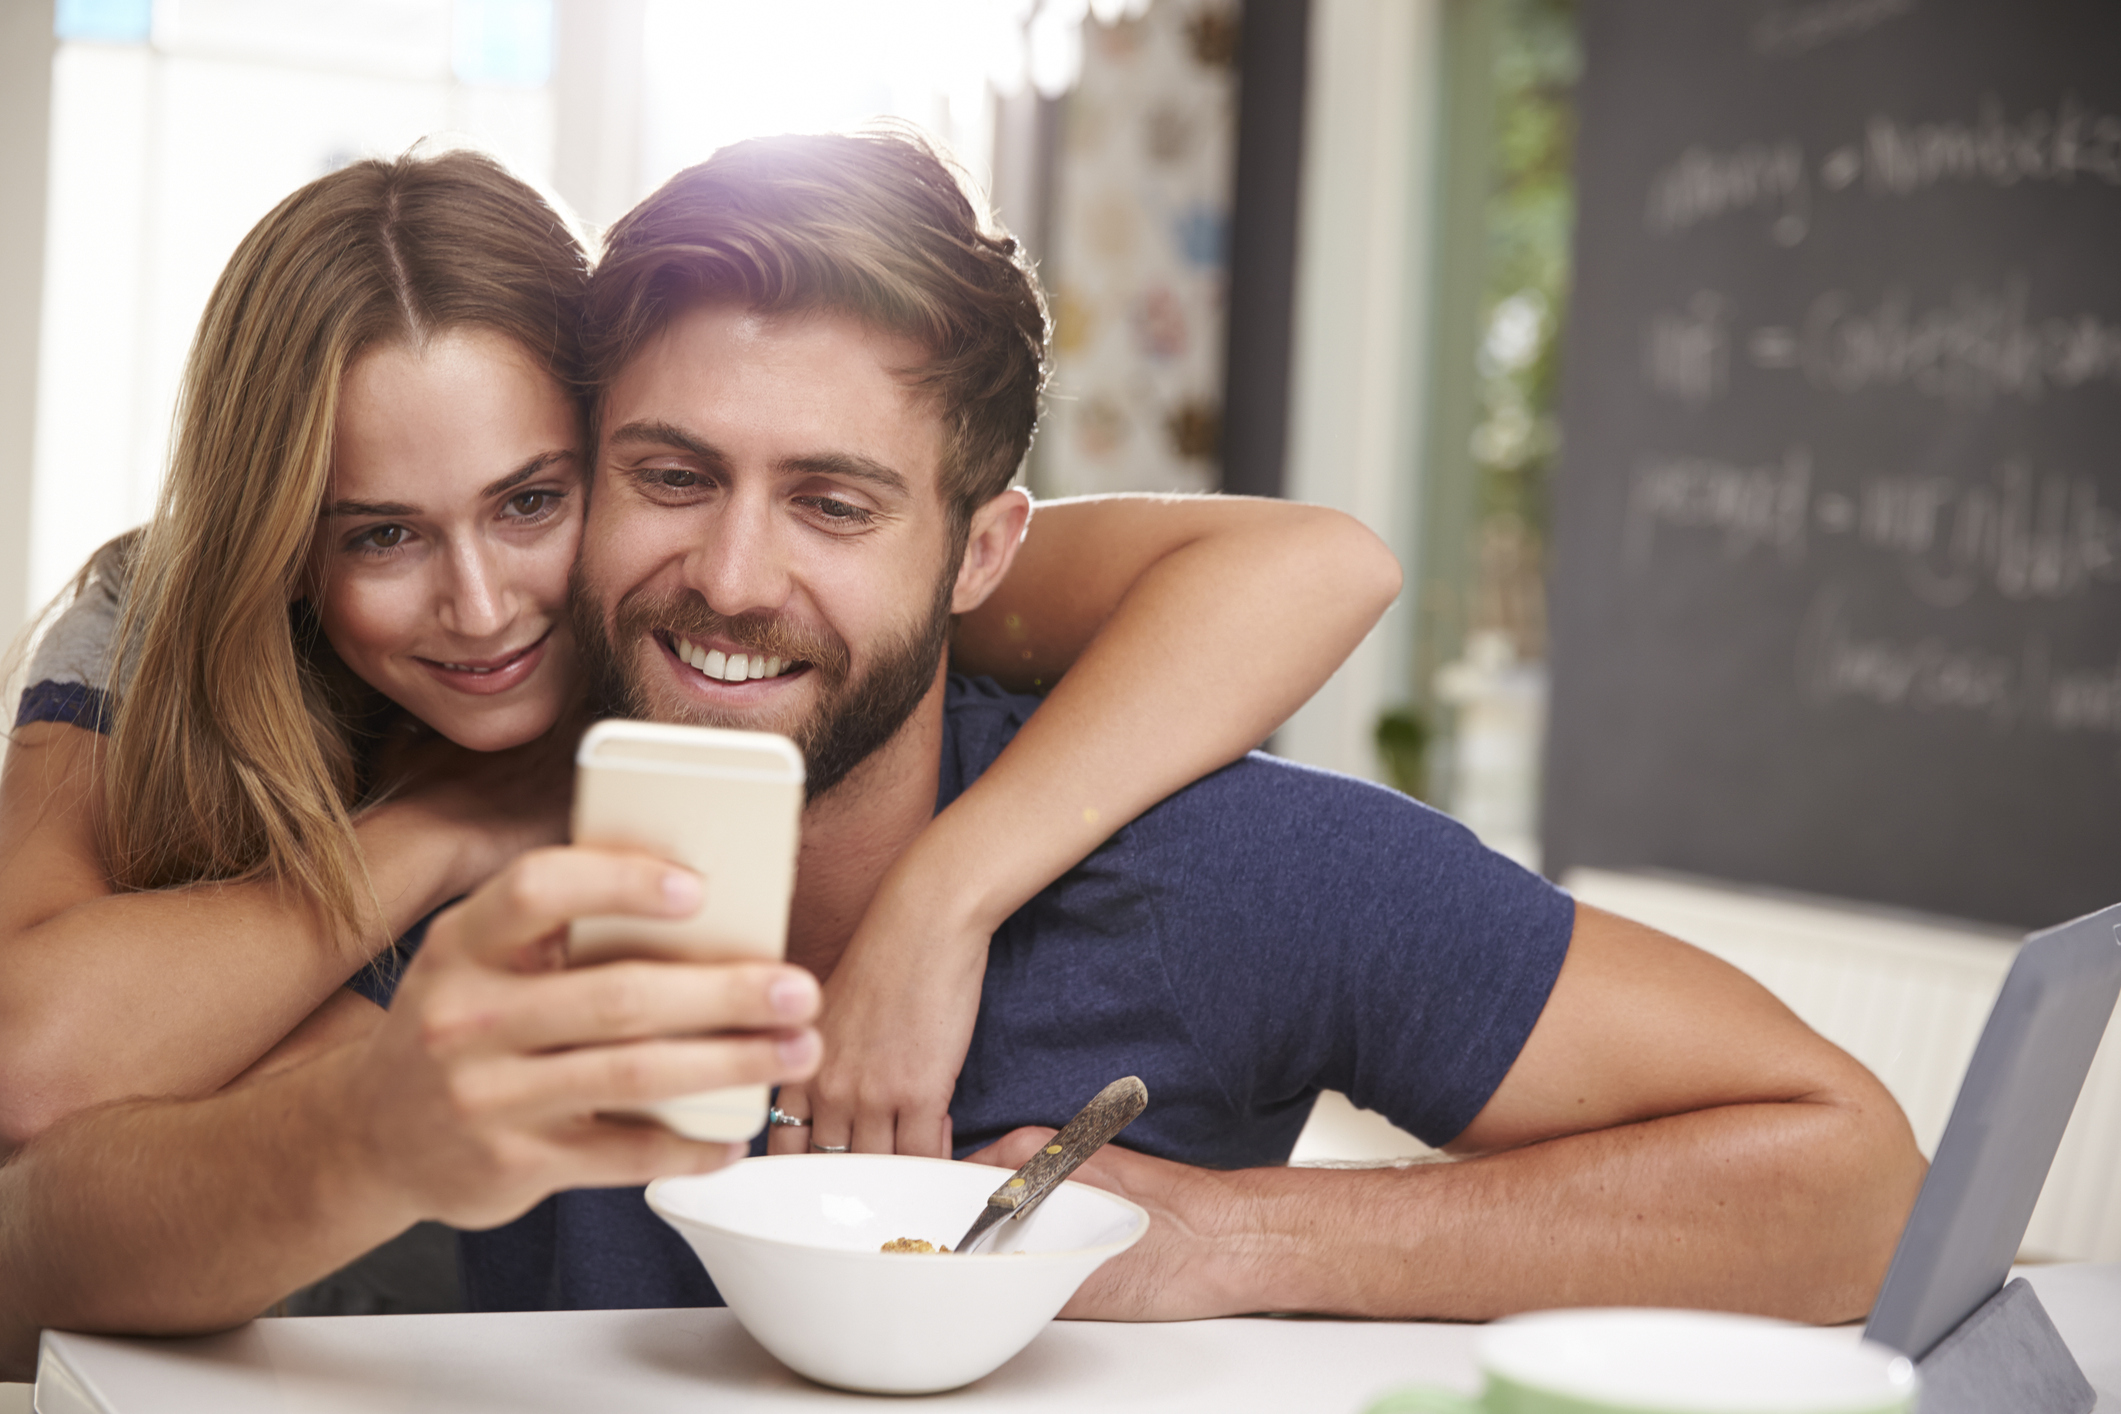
[
  {"x": 1174, "y": 633},
  {"x": 106, "y": 995}
]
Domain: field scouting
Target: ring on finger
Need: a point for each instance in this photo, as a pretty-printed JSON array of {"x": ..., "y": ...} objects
[
  {"x": 828, "y": 1148},
  {"x": 775, "y": 1115}
]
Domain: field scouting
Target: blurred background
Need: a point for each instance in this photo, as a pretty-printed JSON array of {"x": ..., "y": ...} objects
[
  {"x": 1385, "y": 363},
  {"x": 1795, "y": 630}
]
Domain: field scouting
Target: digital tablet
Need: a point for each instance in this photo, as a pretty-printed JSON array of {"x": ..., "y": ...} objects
[{"x": 2016, "y": 1100}]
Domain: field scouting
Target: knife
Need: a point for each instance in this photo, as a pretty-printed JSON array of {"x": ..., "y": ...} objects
[{"x": 1113, "y": 1109}]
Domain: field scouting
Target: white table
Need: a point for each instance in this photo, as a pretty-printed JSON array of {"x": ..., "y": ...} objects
[{"x": 686, "y": 1360}]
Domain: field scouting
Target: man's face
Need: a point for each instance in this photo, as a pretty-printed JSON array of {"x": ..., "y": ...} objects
[{"x": 767, "y": 546}]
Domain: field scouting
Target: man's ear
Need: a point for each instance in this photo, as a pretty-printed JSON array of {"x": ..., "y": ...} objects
[{"x": 990, "y": 548}]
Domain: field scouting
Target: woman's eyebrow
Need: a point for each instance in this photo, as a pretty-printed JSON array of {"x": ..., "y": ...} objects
[
  {"x": 370, "y": 508},
  {"x": 541, "y": 462}
]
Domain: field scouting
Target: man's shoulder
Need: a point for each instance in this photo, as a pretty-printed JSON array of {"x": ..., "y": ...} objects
[
  {"x": 979, "y": 719},
  {"x": 1256, "y": 802}
]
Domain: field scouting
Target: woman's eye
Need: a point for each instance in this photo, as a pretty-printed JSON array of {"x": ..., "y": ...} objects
[
  {"x": 381, "y": 537},
  {"x": 526, "y": 504}
]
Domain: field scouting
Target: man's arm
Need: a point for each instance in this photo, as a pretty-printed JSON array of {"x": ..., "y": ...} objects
[
  {"x": 1670, "y": 1135},
  {"x": 479, "y": 1093}
]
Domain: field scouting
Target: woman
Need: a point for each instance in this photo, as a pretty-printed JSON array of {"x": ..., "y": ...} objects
[{"x": 337, "y": 707}]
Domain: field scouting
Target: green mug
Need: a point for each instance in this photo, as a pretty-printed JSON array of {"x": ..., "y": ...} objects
[{"x": 1671, "y": 1362}]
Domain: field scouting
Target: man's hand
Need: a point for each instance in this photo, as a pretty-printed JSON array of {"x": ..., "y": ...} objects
[
  {"x": 489, "y": 1083},
  {"x": 1184, "y": 1269},
  {"x": 898, "y": 1015}
]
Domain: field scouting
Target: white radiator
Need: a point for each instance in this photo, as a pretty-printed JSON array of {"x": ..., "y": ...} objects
[{"x": 1907, "y": 997}]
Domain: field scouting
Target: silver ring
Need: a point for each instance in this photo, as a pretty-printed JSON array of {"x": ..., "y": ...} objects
[
  {"x": 776, "y": 1115},
  {"x": 828, "y": 1148}
]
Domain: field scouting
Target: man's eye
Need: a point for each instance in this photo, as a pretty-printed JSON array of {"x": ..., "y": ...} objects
[
  {"x": 832, "y": 509},
  {"x": 382, "y": 537},
  {"x": 676, "y": 478}
]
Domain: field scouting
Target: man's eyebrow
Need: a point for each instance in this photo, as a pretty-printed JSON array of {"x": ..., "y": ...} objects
[
  {"x": 541, "y": 462},
  {"x": 666, "y": 434},
  {"x": 851, "y": 466}
]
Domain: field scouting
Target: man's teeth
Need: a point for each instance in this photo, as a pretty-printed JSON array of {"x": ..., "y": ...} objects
[{"x": 730, "y": 667}]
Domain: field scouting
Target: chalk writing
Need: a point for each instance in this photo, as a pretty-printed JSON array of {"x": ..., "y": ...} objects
[
  {"x": 2058, "y": 145},
  {"x": 2088, "y": 700},
  {"x": 1839, "y": 662},
  {"x": 2023, "y": 536},
  {"x": 1980, "y": 345},
  {"x": 1686, "y": 355},
  {"x": 1892, "y": 158},
  {"x": 1749, "y": 506},
  {"x": 1703, "y": 184},
  {"x": 1929, "y": 674},
  {"x": 1784, "y": 33}
]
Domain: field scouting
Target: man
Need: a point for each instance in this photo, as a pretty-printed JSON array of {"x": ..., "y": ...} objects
[{"x": 817, "y": 378}]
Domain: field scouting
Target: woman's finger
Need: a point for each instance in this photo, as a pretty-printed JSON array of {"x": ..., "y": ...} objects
[
  {"x": 831, "y": 1128},
  {"x": 876, "y": 1131},
  {"x": 924, "y": 1132},
  {"x": 790, "y": 1138}
]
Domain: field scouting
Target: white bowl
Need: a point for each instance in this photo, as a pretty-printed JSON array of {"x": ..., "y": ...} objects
[{"x": 791, "y": 1242}]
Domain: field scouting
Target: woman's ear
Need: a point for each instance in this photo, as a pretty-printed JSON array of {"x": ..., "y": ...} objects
[{"x": 990, "y": 548}]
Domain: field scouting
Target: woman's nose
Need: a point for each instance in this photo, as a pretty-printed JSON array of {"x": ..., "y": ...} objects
[{"x": 476, "y": 602}]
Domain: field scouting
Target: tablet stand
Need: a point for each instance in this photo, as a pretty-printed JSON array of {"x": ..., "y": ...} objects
[{"x": 2006, "y": 1356}]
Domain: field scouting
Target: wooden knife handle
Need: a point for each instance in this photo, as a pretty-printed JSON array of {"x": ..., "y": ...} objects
[{"x": 1115, "y": 1107}]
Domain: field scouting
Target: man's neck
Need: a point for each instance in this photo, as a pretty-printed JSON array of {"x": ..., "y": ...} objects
[{"x": 855, "y": 832}]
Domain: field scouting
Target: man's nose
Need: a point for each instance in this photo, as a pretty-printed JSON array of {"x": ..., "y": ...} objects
[
  {"x": 740, "y": 567},
  {"x": 476, "y": 602}
]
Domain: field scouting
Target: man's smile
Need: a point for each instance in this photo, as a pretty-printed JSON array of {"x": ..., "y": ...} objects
[{"x": 728, "y": 665}]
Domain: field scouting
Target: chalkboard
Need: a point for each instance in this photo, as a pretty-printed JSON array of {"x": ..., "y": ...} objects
[{"x": 1837, "y": 562}]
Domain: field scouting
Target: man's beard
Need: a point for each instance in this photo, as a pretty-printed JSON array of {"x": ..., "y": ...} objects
[{"x": 851, "y": 718}]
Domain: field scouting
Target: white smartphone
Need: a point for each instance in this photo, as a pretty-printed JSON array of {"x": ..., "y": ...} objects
[{"x": 726, "y": 804}]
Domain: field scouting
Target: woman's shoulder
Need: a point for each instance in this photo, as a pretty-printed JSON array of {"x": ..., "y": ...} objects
[{"x": 70, "y": 671}]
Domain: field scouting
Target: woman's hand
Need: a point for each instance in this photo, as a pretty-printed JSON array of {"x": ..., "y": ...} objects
[
  {"x": 493, "y": 805},
  {"x": 897, "y": 1018}
]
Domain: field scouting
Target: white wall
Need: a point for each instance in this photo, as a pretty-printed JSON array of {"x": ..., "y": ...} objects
[
  {"x": 163, "y": 155},
  {"x": 1907, "y": 996},
  {"x": 1369, "y": 178},
  {"x": 25, "y": 81}
]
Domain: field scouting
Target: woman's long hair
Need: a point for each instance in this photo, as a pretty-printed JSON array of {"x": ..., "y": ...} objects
[{"x": 234, "y": 751}]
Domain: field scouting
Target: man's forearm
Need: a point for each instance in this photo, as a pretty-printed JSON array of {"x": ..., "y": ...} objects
[
  {"x": 1784, "y": 1209},
  {"x": 164, "y": 1217}
]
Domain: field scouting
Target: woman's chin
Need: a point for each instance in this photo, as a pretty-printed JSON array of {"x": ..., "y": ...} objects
[{"x": 496, "y": 728}]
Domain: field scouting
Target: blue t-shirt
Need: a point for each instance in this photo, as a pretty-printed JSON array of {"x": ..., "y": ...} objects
[{"x": 1267, "y": 933}]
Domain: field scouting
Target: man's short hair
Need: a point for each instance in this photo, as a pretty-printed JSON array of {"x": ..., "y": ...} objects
[{"x": 874, "y": 224}]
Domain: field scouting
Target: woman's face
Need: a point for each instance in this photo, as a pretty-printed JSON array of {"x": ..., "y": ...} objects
[{"x": 443, "y": 552}]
